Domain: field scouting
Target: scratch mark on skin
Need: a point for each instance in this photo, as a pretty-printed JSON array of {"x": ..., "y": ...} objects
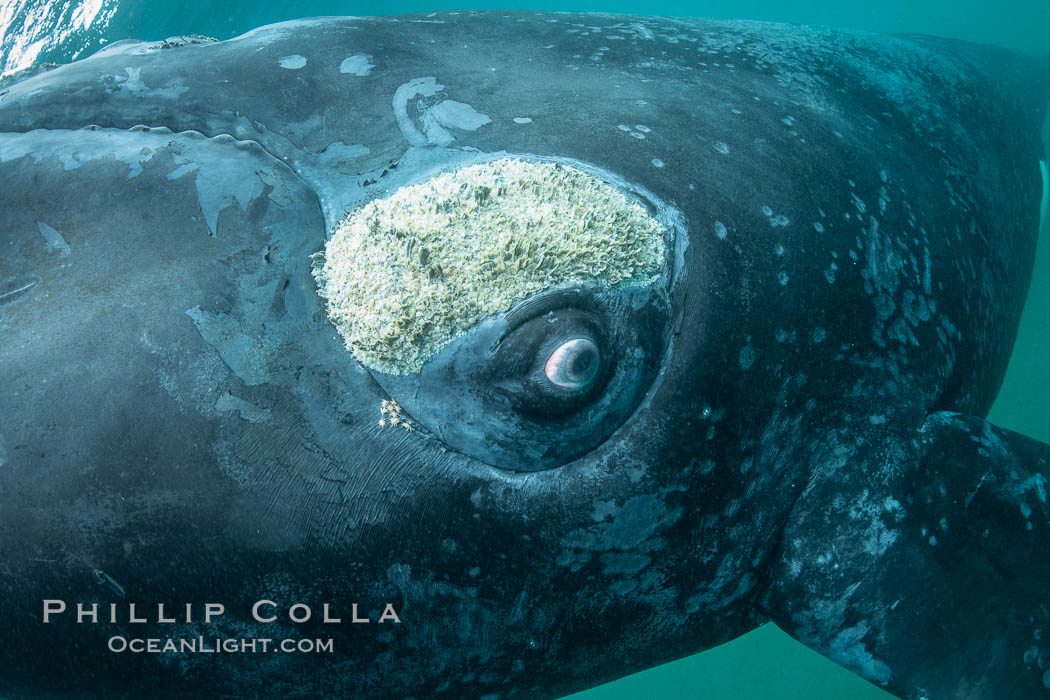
[
  {"x": 16, "y": 287},
  {"x": 104, "y": 579}
]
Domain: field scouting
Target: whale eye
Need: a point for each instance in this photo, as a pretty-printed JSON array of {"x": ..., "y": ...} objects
[
  {"x": 574, "y": 364},
  {"x": 543, "y": 383}
]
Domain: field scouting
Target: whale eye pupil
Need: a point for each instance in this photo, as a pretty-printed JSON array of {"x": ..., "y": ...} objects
[{"x": 573, "y": 364}]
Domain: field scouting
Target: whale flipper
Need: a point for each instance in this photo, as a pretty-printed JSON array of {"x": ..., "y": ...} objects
[{"x": 934, "y": 582}]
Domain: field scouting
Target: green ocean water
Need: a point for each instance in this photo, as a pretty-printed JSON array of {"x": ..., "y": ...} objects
[{"x": 765, "y": 664}]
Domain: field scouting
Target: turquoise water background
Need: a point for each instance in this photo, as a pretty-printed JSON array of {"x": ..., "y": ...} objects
[{"x": 765, "y": 664}]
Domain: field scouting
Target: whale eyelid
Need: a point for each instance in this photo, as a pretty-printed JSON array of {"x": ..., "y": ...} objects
[{"x": 541, "y": 304}]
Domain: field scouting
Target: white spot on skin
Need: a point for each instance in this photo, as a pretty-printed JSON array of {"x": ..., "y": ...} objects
[
  {"x": 782, "y": 277},
  {"x": 721, "y": 231},
  {"x": 818, "y": 227},
  {"x": 642, "y": 128},
  {"x": 359, "y": 64},
  {"x": 721, "y": 147},
  {"x": 522, "y": 120},
  {"x": 657, "y": 162},
  {"x": 293, "y": 62}
]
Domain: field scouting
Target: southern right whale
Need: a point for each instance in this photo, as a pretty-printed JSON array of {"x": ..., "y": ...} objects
[{"x": 750, "y": 386}]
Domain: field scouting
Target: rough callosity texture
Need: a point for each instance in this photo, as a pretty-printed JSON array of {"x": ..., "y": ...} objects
[{"x": 407, "y": 274}]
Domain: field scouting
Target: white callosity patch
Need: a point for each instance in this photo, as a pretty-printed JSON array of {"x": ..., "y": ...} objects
[
  {"x": 359, "y": 65},
  {"x": 293, "y": 62},
  {"x": 407, "y": 274}
]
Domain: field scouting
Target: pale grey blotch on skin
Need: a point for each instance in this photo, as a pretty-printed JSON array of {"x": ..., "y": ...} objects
[
  {"x": 293, "y": 62},
  {"x": 53, "y": 239},
  {"x": 358, "y": 64}
]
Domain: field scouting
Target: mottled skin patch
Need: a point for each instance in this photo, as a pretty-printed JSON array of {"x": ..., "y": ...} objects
[{"x": 736, "y": 492}]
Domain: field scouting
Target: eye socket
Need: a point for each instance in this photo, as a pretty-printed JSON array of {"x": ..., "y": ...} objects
[
  {"x": 573, "y": 364},
  {"x": 554, "y": 362}
]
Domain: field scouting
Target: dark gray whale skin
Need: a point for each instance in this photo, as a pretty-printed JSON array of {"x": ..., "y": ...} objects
[{"x": 180, "y": 423}]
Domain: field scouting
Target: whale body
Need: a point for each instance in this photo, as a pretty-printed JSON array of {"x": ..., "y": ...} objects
[{"x": 788, "y": 423}]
